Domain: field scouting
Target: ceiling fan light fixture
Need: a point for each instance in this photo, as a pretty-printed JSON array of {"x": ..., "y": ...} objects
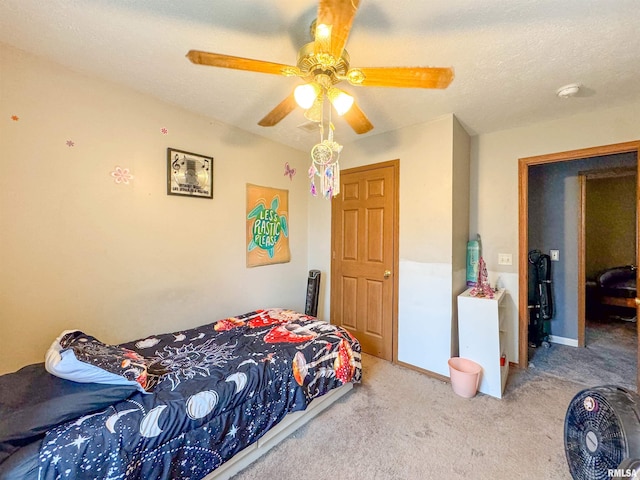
[
  {"x": 325, "y": 62},
  {"x": 306, "y": 94},
  {"x": 323, "y": 32},
  {"x": 340, "y": 100}
]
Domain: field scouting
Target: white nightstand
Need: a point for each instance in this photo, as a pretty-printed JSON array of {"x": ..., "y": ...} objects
[{"x": 482, "y": 335}]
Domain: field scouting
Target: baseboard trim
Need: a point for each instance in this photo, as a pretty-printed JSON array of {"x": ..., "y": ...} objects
[
  {"x": 571, "y": 342},
  {"x": 424, "y": 371}
]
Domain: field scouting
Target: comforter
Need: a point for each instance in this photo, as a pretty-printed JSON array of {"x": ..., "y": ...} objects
[{"x": 220, "y": 387}]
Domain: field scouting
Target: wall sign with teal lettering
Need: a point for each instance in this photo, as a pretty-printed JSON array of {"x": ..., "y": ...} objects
[{"x": 267, "y": 226}]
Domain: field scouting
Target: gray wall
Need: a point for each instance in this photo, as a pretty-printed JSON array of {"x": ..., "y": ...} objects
[{"x": 554, "y": 202}]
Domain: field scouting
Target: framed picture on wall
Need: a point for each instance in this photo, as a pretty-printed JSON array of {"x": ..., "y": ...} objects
[{"x": 189, "y": 174}]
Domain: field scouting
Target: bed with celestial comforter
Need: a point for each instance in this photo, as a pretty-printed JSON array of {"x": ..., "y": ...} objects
[{"x": 202, "y": 395}]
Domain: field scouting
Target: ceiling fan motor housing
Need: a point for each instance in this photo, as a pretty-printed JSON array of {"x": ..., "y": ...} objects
[{"x": 312, "y": 64}]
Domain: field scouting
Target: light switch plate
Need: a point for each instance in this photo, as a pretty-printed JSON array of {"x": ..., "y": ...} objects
[
  {"x": 505, "y": 259},
  {"x": 555, "y": 255}
]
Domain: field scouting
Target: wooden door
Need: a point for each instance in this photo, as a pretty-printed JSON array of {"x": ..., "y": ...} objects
[{"x": 364, "y": 256}]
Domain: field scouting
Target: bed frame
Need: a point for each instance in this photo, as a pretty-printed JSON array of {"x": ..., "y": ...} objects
[
  {"x": 618, "y": 301},
  {"x": 277, "y": 434}
]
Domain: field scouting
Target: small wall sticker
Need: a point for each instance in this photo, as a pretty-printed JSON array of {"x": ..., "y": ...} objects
[
  {"x": 15, "y": 118},
  {"x": 289, "y": 171},
  {"x": 121, "y": 175},
  {"x": 71, "y": 143}
]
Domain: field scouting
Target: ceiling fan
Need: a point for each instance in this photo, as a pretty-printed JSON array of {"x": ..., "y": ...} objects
[{"x": 323, "y": 63}]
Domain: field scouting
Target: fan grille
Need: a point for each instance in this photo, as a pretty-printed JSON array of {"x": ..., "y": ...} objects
[{"x": 596, "y": 427}]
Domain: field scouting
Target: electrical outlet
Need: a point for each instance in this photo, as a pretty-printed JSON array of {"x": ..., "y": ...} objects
[
  {"x": 555, "y": 255},
  {"x": 505, "y": 259}
]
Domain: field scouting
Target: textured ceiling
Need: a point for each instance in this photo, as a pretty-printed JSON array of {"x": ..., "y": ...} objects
[{"x": 509, "y": 57}]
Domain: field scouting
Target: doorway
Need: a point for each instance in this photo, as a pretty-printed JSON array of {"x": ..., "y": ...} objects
[
  {"x": 608, "y": 238},
  {"x": 364, "y": 258},
  {"x": 523, "y": 231}
]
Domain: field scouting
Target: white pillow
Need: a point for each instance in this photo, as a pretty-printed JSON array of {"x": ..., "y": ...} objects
[{"x": 63, "y": 363}]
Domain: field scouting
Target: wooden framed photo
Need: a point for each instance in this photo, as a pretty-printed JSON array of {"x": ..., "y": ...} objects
[{"x": 189, "y": 174}]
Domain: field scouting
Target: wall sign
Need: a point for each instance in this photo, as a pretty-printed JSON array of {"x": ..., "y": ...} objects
[{"x": 267, "y": 226}]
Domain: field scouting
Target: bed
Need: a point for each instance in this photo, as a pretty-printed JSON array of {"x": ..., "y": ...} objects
[
  {"x": 617, "y": 286},
  {"x": 200, "y": 403}
]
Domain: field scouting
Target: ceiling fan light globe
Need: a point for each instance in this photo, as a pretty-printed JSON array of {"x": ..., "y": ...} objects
[
  {"x": 306, "y": 94},
  {"x": 340, "y": 100},
  {"x": 323, "y": 31}
]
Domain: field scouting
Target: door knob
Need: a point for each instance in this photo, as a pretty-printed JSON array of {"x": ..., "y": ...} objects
[
  {"x": 387, "y": 274},
  {"x": 637, "y": 301}
]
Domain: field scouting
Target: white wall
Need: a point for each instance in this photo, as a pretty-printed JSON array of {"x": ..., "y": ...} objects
[
  {"x": 319, "y": 248},
  {"x": 122, "y": 261},
  {"x": 460, "y": 234}
]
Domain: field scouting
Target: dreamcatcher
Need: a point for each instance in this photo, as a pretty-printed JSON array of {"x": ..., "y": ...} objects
[{"x": 324, "y": 159}]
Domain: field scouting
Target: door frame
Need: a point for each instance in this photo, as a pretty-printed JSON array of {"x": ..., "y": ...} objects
[
  {"x": 523, "y": 229},
  {"x": 396, "y": 236}
]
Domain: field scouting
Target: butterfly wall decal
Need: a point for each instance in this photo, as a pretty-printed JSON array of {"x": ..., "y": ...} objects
[{"x": 289, "y": 171}]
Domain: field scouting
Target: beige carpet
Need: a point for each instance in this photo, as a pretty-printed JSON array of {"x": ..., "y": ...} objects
[{"x": 400, "y": 424}]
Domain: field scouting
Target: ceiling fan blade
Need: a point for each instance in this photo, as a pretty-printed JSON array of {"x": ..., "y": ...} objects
[
  {"x": 357, "y": 120},
  {"x": 239, "y": 63},
  {"x": 338, "y": 14},
  {"x": 403, "y": 77},
  {"x": 283, "y": 109}
]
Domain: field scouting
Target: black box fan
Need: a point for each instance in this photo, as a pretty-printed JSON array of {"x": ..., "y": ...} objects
[{"x": 602, "y": 434}]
